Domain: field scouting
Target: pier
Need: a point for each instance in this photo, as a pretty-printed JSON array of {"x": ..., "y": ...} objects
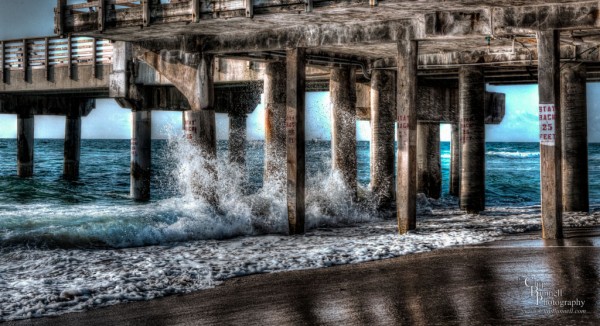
[{"x": 406, "y": 66}]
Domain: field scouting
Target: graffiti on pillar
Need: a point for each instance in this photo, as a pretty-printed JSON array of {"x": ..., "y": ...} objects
[
  {"x": 133, "y": 149},
  {"x": 191, "y": 129},
  {"x": 547, "y": 124},
  {"x": 290, "y": 125},
  {"x": 403, "y": 128}
]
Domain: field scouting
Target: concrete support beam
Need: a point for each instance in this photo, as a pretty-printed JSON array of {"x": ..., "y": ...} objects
[
  {"x": 472, "y": 138},
  {"x": 454, "y": 161},
  {"x": 237, "y": 138},
  {"x": 550, "y": 135},
  {"x": 295, "y": 140},
  {"x": 574, "y": 137},
  {"x": 72, "y": 148},
  {"x": 343, "y": 122},
  {"x": 275, "y": 115},
  {"x": 383, "y": 115},
  {"x": 406, "y": 183},
  {"x": 429, "y": 167},
  {"x": 141, "y": 152},
  {"x": 25, "y": 128}
]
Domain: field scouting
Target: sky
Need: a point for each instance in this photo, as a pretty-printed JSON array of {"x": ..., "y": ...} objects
[{"x": 32, "y": 18}]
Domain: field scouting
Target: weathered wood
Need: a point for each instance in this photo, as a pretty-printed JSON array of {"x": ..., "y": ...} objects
[
  {"x": 295, "y": 108},
  {"x": 237, "y": 138},
  {"x": 195, "y": 10},
  {"x": 574, "y": 137},
  {"x": 94, "y": 58},
  {"x": 249, "y": 8},
  {"x": 472, "y": 138},
  {"x": 59, "y": 17},
  {"x": 141, "y": 154},
  {"x": 383, "y": 115},
  {"x": 308, "y": 5},
  {"x": 406, "y": 187},
  {"x": 3, "y": 60},
  {"x": 275, "y": 126},
  {"x": 429, "y": 170},
  {"x": 146, "y": 12},
  {"x": 25, "y": 128},
  {"x": 72, "y": 145},
  {"x": 343, "y": 125},
  {"x": 373, "y": 3},
  {"x": 550, "y": 139},
  {"x": 101, "y": 10},
  {"x": 454, "y": 161}
]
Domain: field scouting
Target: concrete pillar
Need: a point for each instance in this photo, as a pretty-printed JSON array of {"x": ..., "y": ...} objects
[
  {"x": 72, "y": 148},
  {"x": 141, "y": 151},
  {"x": 342, "y": 88},
  {"x": 237, "y": 138},
  {"x": 200, "y": 130},
  {"x": 406, "y": 181},
  {"x": 454, "y": 161},
  {"x": 25, "y": 128},
  {"x": 472, "y": 136},
  {"x": 429, "y": 167},
  {"x": 574, "y": 137},
  {"x": 275, "y": 147},
  {"x": 296, "y": 169},
  {"x": 550, "y": 136},
  {"x": 383, "y": 116}
]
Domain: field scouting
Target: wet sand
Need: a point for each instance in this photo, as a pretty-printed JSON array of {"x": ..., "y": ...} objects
[{"x": 519, "y": 280}]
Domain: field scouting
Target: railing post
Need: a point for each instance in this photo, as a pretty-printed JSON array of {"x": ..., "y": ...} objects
[
  {"x": 47, "y": 57},
  {"x": 3, "y": 62},
  {"x": 195, "y": 11},
  {"x": 249, "y": 9},
  {"x": 101, "y": 15},
  {"x": 59, "y": 17},
  {"x": 94, "y": 57},
  {"x": 308, "y": 5},
  {"x": 146, "y": 7},
  {"x": 25, "y": 58},
  {"x": 69, "y": 57}
]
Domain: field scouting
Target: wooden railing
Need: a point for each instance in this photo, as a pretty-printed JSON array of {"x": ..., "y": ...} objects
[{"x": 43, "y": 53}]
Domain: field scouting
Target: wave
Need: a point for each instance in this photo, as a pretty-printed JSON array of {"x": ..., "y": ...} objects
[{"x": 513, "y": 154}]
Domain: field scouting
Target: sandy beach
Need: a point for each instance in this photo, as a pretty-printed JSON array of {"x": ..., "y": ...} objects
[{"x": 518, "y": 280}]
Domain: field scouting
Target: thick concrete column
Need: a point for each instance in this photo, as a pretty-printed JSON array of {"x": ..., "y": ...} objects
[
  {"x": 296, "y": 169},
  {"x": 25, "y": 127},
  {"x": 343, "y": 124},
  {"x": 429, "y": 167},
  {"x": 406, "y": 182},
  {"x": 72, "y": 148},
  {"x": 141, "y": 152},
  {"x": 275, "y": 111},
  {"x": 237, "y": 138},
  {"x": 383, "y": 116},
  {"x": 454, "y": 161},
  {"x": 472, "y": 137},
  {"x": 550, "y": 135},
  {"x": 574, "y": 137}
]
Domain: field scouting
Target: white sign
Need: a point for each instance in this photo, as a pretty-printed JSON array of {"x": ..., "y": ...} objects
[{"x": 547, "y": 124}]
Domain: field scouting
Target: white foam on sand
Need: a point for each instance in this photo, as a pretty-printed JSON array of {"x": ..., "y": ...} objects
[{"x": 38, "y": 282}]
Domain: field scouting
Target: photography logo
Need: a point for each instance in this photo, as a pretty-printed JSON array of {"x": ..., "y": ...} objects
[{"x": 551, "y": 298}]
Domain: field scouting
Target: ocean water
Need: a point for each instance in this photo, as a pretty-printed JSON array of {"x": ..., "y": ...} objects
[{"x": 69, "y": 246}]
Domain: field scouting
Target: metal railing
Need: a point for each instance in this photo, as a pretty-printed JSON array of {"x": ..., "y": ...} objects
[{"x": 43, "y": 53}]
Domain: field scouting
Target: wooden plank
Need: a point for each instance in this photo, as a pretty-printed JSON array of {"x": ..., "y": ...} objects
[
  {"x": 69, "y": 58},
  {"x": 47, "y": 58},
  {"x": 295, "y": 108},
  {"x": 406, "y": 188},
  {"x": 25, "y": 59},
  {"x": 550, "y": 140}
]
